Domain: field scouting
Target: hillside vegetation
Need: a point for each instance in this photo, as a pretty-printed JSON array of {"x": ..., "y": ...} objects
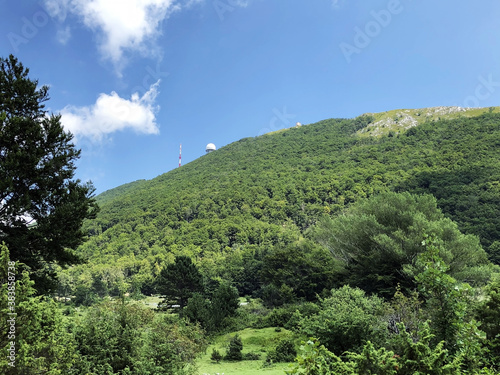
[
  {"x": 399, "y": 120},
  {"x": 379, "y": 247},
  {"x": 239, "y": 202},
  {"x": 313, "y": 250}
]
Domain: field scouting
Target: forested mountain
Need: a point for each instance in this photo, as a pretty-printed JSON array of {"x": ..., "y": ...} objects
[
  {"x": 362, "y": 238},
  {"x": 229, "y": 208}
]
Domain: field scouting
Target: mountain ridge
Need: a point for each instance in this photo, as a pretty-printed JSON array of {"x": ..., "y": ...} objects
[
  {"x": 383, "y": 123},
  {"x": 402, "y": 119}
]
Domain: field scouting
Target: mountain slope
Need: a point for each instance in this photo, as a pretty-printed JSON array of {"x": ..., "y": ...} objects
[{"x": 257, "y": 193}]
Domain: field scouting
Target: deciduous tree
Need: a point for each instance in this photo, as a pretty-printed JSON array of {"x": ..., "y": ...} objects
[{"x": 379, "y": 238}]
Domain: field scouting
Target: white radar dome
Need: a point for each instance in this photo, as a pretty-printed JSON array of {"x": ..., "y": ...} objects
[{"x": 210, "y": 147}]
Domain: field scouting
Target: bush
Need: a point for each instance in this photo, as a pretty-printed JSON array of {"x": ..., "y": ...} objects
[
  {"x": 216, "y": 356},
  {"x": 346, "y": 321},
  {"x": 84, "y": 296},
  {"x": 279, "y": 317},
  {"x": 251, "y": 356},
  {"x": 234, "y": 349},
  {"x": 284, "y": 352},
  {"x": 213, "y": 315},
  {"x": 273, "y": 296},
  {"x": 489, "y": 315},
  {"x": 285, "y": 316}
]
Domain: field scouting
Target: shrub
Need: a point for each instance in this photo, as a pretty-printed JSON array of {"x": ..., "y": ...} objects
[
  {"x": 251, "y": 356},
  {"x": 279, "y": 317},
  {"x": 347, "y": 320},
  {"x": 273, "y": 296},
  {"x": 215, "y": 314},
  {"x": 216, "y": 356},
  {"x": 234, "y": 349},
  {"x": 285, "y": 316},
  {"x": 489, "y": 315},
  {"x": 284, "y": 352}
]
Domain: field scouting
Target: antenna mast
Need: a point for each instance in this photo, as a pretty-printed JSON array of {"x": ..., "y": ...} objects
[{"x": 180, "y": 154}]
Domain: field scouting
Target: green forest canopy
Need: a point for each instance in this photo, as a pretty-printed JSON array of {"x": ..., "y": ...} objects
[{"x": 236, "y": 204}]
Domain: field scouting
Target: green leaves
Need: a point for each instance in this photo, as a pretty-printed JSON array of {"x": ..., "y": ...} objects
[
  {"x": 268, "y": 192},
  {"x": 212, "y": 313},
  {"x": 42, "y": 207},
  {"x": 378, "y": 240},
  {"x": 234, "y": 349},
  {"x": 121, "y": 338},
  {"x": 42, "y": 343},
  {"x": 448, "y": 304},
  {"x": 178, "y": 281},
  {"x": 347, "y": 319}
]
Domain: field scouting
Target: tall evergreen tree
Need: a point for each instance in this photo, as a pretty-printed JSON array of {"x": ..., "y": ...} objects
[
  {"x": 42, "y": 206},
  {"x": 179, "y": 280}
]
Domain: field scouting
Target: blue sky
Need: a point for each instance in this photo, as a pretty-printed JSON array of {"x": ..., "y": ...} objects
[{"x": 133, "y": 79}]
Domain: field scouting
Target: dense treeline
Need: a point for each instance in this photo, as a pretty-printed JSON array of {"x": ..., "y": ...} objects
[{"x": 261, "y": 195}]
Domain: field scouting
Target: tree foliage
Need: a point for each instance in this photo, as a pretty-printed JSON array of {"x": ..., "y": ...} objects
[
  {"x": 42, "y": 206},
  {"x": 284, "y": 352},
  {"x": 234, "y": 349},
  {"x": 120, "y": 338},
  {"x": 488, "y": 312},
  {"x": 179, "y": 280},
  {"x": 304, "y": 269},
  {"x": 378, "y": 240},
  {"x": 347, "y": 319},
  {"x": 229, "y": 209},
  {"x": 449, "y": 343},
  {"x": 212, "y": 313},
  {"x": 449, "y": 303},
  {"x": 35, "y": 330}
]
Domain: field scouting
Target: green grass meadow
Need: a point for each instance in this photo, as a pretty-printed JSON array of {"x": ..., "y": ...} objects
[{"x": 258, "y": 341}]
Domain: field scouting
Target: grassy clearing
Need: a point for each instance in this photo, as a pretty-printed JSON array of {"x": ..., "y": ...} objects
[
  {"x": 399, "y": 120},
  {"x": 151, "y": 301},
  {"x": 254, "y": 340}
]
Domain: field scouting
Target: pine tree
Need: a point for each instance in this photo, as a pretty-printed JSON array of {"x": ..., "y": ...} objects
[
  {"x": 234, "y": 349},
  {"x": 216, "y": 356},
  {"x": 42, "y": 206},
  {"x": 178, "y": 281}
]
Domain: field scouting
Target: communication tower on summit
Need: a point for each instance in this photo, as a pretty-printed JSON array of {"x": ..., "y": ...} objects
[{"x": 180, "y": 154}]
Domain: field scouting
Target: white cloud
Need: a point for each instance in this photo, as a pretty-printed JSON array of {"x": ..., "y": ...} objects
[
  {"x": 128, "y": 25},
  {"x": 111, "y": 113}
]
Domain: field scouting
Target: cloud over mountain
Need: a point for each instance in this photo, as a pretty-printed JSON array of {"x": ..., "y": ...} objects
[{"x": 112, "y": 113}]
